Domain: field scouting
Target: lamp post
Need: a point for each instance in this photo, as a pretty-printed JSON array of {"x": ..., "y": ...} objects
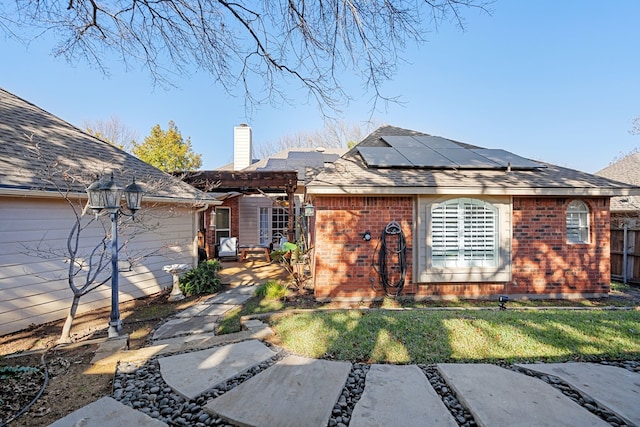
[{"x": 107, "y": 196}]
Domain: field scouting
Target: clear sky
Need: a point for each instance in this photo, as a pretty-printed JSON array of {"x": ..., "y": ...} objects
[{"x": 557, "y": 81}]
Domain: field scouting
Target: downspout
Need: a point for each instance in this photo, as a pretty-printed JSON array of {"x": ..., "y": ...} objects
[{"x": 194, "y": 254}]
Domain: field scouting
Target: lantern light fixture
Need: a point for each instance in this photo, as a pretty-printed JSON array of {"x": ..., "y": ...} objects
[{"x": 108, "y": 196}]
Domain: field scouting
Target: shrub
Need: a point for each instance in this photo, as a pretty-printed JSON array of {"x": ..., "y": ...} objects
[
  {"x": 271, "y": 290},
  {"x": 202, "y": 280}
]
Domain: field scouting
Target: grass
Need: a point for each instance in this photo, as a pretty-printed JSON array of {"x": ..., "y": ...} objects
[
  {"x": 407, "y": 331},
  {"x": 383, "y": 336}
]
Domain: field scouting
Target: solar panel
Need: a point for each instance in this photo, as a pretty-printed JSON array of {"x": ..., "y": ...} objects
[
  {"x": 402, "y": 141},
  {"x": 505, "y": 158},
  {"x": 383, "y": 157},
  {"x": 426, "y": 157},
  {"x": 439, "y": 153},
  {"x": 436, "y": 142},
  {"x": 466, "y": 158}
]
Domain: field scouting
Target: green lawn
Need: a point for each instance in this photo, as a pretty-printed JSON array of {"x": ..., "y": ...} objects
[
  {"x": 406, "y": 331},
  {"x": 425, "y": 336}
]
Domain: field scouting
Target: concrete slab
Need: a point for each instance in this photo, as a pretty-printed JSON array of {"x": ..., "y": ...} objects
[
  {"x": 109, "y": 348},
  {"x": 204, "y": 341},
  {"x": 501, "y": 397},
  {"x": 107, "y": 412},
  {"x": 399, "y": 395},
  {"x": 182, "y": 326},
  {"x": 297, "y": 391},
  {"x": 190, "y": 374},
  {"x": 228, "y": 298},
  {"x": 205, "y": 310},
  {"x": 613, "y": 388}
]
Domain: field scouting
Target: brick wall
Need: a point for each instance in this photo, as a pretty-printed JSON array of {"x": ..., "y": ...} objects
[
  {"x": 343, "y": 260},
  {"x": 543, "y": 263},
  {"x": 232, "y": 203}
]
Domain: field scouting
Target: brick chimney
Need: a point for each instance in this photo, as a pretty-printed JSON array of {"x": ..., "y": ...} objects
[{"x": 242, "y": 148}]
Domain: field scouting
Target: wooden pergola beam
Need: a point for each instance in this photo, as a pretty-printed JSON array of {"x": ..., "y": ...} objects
[{"x": 249, "y": 182}]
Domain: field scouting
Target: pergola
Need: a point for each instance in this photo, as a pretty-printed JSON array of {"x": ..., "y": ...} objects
[{"x": 249, "y": 182}]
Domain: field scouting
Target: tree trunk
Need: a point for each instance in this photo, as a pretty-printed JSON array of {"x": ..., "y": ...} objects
[{"x": 65, "y": 336}]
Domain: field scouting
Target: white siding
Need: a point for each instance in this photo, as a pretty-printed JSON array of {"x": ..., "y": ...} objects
[
  {"x": 249, "y": 218},
  {"x": 34, "y": 290}
]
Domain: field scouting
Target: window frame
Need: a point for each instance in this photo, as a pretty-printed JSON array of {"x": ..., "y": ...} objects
[
  {"x": 222, "y": 231},
  {"x": 578, "y": 219},
  {"x": 426, "y": 271}
]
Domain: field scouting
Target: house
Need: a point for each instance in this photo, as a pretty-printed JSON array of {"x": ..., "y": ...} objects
[
  {"x": 46, "y": 162},
  {"x": 407, "y": 213},
  {"x": 262, "y": 201},
  {"x": 625, "y": 220}
]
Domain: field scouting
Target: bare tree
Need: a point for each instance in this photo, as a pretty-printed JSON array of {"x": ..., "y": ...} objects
[
  {"x": 334, "y": 134},
  {"x": 263, "y": 48},
  {"x": 113, "y": 131},
  {"x": 89, "y": 264},
  {"x": 635, "y": 129}
]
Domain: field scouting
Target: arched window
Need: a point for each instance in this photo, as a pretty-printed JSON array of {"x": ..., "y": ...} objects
[
  {"x": 577, "y": 222},
  {"x": 464, "y": 234}
]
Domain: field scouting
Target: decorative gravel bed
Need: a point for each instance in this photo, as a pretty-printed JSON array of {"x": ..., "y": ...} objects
[
  {"x": 143, "y": 388},
  {"x": 462, "y": 416},
  {"x": 585, "y": 401}
]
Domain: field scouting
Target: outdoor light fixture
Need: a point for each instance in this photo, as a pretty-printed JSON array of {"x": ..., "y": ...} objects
[
  {"x": 366, "y": 236},
  {"x": 309, "y": 210},
  {"x": 108, "y": 196},
  {"x": 502, "y": 300}
]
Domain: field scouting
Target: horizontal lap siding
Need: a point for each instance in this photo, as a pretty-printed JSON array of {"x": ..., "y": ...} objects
[{"x": 35, "y": 290}]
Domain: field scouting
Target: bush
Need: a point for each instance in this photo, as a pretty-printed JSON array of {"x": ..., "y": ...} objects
[
  {"x": 271, "y": 290},
  {"x": 202, "y": 280}
]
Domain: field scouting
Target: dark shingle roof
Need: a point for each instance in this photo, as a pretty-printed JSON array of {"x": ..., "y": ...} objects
[
  {"x": 37, "y": 147},
  {"x": 351, "y": 175}
]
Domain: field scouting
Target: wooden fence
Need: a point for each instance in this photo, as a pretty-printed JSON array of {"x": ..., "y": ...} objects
[{"x": 628, "y": 238}]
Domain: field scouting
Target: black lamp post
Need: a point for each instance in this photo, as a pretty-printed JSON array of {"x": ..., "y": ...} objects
[{"x": 107, "y": 196}]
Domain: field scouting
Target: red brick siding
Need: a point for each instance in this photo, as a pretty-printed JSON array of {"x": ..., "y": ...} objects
[
  {"x": 543, "y": 263},
  {"x": 211, "y": 229},
  {"x": 343, "y": 260}
]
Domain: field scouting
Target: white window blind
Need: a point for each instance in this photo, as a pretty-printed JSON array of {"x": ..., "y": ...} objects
[
  {"x": 577, "y": 222},
  {"x": 464, "y": 233}
]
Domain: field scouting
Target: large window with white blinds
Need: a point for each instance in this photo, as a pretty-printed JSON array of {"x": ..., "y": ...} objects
[
  {"x": 464, "y": 233},
  {"x": 463, "y": 239}
]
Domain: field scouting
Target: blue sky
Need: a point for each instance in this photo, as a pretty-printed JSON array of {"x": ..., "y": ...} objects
[{"x": 557, "y": 81}]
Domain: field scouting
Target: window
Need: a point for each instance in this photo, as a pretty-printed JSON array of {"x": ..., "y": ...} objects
[
  {"x": 223, "y": 223},
  {"x": 462, "y": 240},
  {"x": 273, "y": 225},
  {"x": 464, "y": 234},
  {"x": 577, "y": 222}
]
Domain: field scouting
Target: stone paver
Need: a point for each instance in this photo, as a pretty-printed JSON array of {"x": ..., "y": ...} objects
[
  {"x": 613, "y": 388},
  {"x": 190, "y": 374},
  {"x": 399, "y": 396},
  {"x": 183, "y": 325},
  {"x": 107, "y": 412},
  {"x": 501, "y": 397},
  {"x": 205, "y": 310},
  {"x": 228, "y": 298},
  {"x": 297, "y": 391}
]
